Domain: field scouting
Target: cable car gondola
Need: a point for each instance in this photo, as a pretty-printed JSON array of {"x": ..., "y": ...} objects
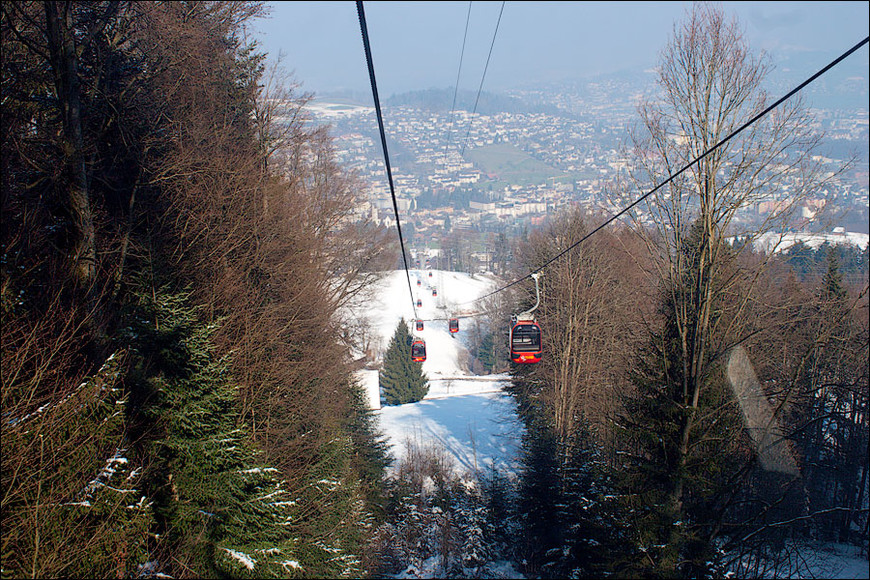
[
  {"x": 526, "y": 347},
  {"x": 453, "y": 325},
  {"x": 419, "y": 303},
  {"x": 418, "y": 350},
  {"x": 419, "y": 325},
  {"x": 434, "y": 292},
  {"x": 430, "y": 274},
  {"x": 419, "y": 282},
  {"x": 525, "y": 338}
]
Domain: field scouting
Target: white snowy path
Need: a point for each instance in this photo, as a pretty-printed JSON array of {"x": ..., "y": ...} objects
[{"x": 469, "y": 417}]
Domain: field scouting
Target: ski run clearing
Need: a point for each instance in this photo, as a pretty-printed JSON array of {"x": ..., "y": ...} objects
[{"x": 469, "y": 417}]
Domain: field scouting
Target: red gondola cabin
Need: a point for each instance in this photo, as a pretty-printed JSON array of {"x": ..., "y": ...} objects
[
  {"x": 453, "y": 325},
  {"x": 434, "y": 292},
  {"x": 419, "y": 303},
  {"x": 418, "y": 351},
  {"x": 526, "y": 346},
  {"x": 419, "y": 325}
]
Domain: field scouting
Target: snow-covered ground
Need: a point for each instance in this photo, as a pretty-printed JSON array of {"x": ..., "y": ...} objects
[
  {"x": 469, "y": 417},
  {"x": 472, "y": 421},
  {"x": 831, "y": 561},
  {"x": 777, "y": 242}
]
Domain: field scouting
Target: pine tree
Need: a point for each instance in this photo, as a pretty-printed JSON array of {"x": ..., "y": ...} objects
[
  {"x": 470, "y": 515},
  {"x": 500, "y": 527},
  {"x": 832, "y": 284},
  {"x": 588, "y": 533},
  {"x": 676, "y": 461},
  {"x": 371, "y": 455},
  {"x": 402, "y": 379},
  {"x": 539, "y": 496},
  {"x": 486, "y": 353},
  {"x": 833, "y": 384},
  {"x": 219, "y": 511}
]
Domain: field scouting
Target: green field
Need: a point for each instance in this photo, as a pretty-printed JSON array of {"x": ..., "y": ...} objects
[{"x": 510, "y": 164}]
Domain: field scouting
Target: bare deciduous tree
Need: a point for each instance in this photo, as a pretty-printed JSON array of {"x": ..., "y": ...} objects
[
  {"x": 586, "y": 312},
  {"x": 711, "y": 84}
]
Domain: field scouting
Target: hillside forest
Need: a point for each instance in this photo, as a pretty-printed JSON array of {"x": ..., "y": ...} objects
[{"x": 179, "y": 399}]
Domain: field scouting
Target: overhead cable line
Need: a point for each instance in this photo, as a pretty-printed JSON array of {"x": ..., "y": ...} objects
[
  {"x": 456, "y": 88},
  {"x": 365, "y": 37},
  {"x": 678, "y": 173},
  {"x": 495, "y": 32}
]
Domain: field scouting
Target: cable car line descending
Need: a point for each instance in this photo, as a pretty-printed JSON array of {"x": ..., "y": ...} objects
[
  {"x": 678, "y": 173},
  {"x": 472, "y": 315},
  {"x": 365, "y": 36},
  {"x": 456, "y": 88},
  {"x": 480, "y": 88},
  {"x": 525, "y": 337}
]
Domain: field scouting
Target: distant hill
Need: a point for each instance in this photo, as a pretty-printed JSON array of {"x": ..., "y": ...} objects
[
  {"x": 441, "y": 100},
  {"x": 840, "y": 88}
]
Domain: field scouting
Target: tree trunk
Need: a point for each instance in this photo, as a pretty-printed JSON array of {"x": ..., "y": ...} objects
[{"x": 64, "y": 64}]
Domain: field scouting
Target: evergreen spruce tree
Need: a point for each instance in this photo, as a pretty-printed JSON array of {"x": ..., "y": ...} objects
[
  {"x": 371, "y": 456},
  {"x": 832, "y": 290},
  {"x": 486, "y": 353},
  {"x": 402, "y": 379},
  {"x": 583, "y": 518},
  {"x": 831, "y": 380},
  {"x": 671, "y": 476},
  {"x": 539, "y": 497},
  {"x": 219, "y": 512},
  {"x": 470, "y": 517},
  {"x": 500, "y": 527}
]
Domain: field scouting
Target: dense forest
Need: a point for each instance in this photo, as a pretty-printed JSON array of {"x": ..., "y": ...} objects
[
  {"x": 487, "y": 103},
  {"x": 177, "y": 394},
  {"x": 178, "y": 391}
]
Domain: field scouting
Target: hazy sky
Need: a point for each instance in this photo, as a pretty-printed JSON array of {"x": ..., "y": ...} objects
[{"x": 417, "y": 45}]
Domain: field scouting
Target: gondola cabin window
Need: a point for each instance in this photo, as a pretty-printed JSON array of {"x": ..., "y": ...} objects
[{"x": 418, "y": 351}]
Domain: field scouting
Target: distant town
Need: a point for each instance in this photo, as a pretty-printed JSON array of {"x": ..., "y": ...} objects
[{"x": 503, "y": 171}]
